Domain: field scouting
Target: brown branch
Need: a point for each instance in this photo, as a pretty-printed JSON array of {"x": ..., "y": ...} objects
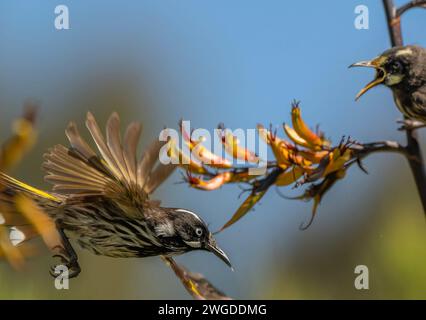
[
  {"x": 366, "y": 149},
  {"x": 414, "y": 154},
  {"x": 196, "y": 284},
  {"x": 410, "y": 5}
]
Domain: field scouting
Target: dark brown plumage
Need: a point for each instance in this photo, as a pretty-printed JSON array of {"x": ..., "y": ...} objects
[
  {"x": 103, "y": 200},
  {"x": 403, "y": 70}
]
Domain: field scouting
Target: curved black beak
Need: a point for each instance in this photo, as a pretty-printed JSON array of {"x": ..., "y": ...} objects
[
  {"x": 380, "y": 74},
  {"x": 214, "y": 248}
]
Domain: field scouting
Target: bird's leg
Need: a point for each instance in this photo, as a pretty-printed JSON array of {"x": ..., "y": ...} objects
[
  {"x": 409, "y": 124},
  {"x": 68, "y": 257}
]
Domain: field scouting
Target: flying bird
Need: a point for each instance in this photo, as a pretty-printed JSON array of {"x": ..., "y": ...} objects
[{"x": 102, "y": 199}]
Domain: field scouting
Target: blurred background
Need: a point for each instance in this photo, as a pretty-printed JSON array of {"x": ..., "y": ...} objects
[{"x": 239, "y": 62}]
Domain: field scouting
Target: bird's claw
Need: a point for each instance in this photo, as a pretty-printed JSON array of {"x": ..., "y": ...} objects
[
  {"x": 70, "y": 263},
  {"x": 73, "y": 269},
  {"x": 61, "y": 257}
]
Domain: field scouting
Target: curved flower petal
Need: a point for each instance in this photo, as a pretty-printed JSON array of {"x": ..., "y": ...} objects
[
  {"x": 290, "y": 176},
  {"x": 202, "y": 154},
  {"x": 314, "y": 141},
  {"x": 232, "y": 146},
  {"x": 214, "y": 183},
  {"x": 245, "y": 207}
]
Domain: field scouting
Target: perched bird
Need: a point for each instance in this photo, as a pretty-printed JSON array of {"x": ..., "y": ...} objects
[
  {"x": 103, "y": 200},
  {"x": 403, "y": 70}
]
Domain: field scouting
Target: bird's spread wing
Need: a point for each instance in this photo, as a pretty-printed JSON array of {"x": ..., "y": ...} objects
[{"x": 115, "y": 172}]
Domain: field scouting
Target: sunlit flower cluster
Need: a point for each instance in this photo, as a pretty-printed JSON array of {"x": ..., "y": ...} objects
[{"x": 305, "y": 157}]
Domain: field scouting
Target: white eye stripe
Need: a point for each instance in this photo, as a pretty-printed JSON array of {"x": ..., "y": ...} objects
[
  {"x": 190, "y": 212},
  {"x": 404, "y": 52}
]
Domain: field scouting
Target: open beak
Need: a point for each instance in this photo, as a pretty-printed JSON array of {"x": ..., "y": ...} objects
[
  {"x": 213, "y": 247},
  {"x": 380, "y": 75}
]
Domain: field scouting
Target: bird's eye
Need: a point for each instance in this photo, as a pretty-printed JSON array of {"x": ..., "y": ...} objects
[
  {"x": 396, "y": 67},
  {"x": 199, "y": 232}
]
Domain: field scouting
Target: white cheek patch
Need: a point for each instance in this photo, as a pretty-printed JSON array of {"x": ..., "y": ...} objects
[
  {"x": 165, "y": 229},
  {"x": 16, "y": 236},
  {"x": 393, "y": 79},
  {"x": 194, "y": 244}
]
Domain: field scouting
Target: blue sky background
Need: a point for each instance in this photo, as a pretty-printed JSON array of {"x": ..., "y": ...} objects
[{"x": 238, "y": 62}]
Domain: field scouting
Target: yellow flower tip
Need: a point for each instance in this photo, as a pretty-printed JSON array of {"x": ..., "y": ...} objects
[{"x": 292, "y": 134}]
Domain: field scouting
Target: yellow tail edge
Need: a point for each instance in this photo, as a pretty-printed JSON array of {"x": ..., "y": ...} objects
[{"x": 19, "y": 185}]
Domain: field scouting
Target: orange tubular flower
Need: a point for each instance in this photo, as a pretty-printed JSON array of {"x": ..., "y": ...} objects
[
  {"x": 314, "y": 141},
  {"x": 305, "y": 158},
  {"x": 282, "y": 149},
  {"x": 233, "y": 148},
  {"x": 23, "y": 138},
  {"x": 43, "y": 225},
  {"x": 292, "y": 134},
  {"x": 334, "y": 161},
  {"x": 299, "y": 160},
  {"x": 214, "y": 183},
  {"x": 11, "y": 152},
  {"x": 202, "y": 154},
  {"x": 183, "y": 160},
  {"x": 290, "y": 176},
  {"x": 313, "y": 156},
  {"x": 338, "y": 158}
]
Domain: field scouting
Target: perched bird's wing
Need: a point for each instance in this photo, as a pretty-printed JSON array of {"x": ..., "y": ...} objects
[
  {"x": 419, "y": 99},
  {"x": 115, "y": 173}
]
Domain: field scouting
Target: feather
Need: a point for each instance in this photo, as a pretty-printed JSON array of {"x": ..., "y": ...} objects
[
  {"x": 148, "y": 161},
  {"x": 12, "y": 186},
  {"x": 131, "y": 140},
  {"x": 77, "y": 141},
  {"x": 158, "y": 176},
  {"x": 111, "y": 171},
  {"x": 114, "y": 144},
  {"x": 97, "y": 136},
  {"x": 65, "y": 170},
  {"x": 62, "y": 161}
]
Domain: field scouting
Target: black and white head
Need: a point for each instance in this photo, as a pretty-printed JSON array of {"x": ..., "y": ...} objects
[
  {"x": 398, "y": 66},
  {"x": 185, "y": 230}
]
